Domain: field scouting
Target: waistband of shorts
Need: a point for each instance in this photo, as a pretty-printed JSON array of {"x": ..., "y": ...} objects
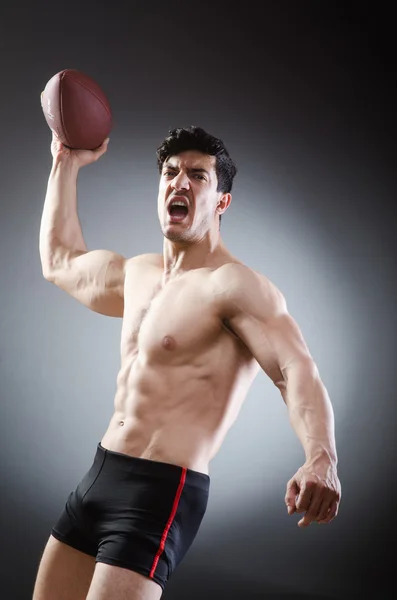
[{"x": 151, "y": 467}]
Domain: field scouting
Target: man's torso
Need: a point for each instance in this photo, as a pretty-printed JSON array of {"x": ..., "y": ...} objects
[{"x": 184, "y": 374}]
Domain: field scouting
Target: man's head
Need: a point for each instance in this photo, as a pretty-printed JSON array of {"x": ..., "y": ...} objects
[{"x": 196, "y": 169}]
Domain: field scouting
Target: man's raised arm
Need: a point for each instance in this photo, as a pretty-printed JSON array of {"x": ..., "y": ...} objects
[{"x": 96, "y": 278}]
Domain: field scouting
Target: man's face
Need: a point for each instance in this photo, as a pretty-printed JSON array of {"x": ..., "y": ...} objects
[{"x": 189, "y": 178}]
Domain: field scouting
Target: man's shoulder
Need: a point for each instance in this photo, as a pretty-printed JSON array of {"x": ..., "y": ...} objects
[
  {"x": 236, "y": 282},
  {"x": 238, "y": 274},
  {"x": 149, "y": 259}
]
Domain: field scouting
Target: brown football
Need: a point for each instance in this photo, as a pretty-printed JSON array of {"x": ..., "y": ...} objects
[{"x": 77, "y": 110}]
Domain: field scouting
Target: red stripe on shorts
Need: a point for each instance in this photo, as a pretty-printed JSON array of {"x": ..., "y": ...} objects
[{"x": 169, "y": 523}]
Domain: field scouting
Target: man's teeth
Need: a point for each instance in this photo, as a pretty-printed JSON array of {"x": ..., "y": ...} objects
[{"x": 178, "y": 203}]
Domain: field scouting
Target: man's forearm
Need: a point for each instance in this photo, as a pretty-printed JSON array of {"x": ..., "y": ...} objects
[
  {"x": 310, "y": 411},
  {"x": 60, "y": 226}
]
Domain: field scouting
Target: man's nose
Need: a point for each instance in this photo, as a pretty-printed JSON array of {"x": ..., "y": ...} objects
[{"x": 180, "y": 181}]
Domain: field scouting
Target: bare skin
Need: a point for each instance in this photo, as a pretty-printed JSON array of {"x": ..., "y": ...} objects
[
  {"x": 198, "y": 326},
  {"x": 182, "y": 379}
]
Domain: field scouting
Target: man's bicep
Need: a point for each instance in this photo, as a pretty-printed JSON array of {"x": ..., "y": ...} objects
[
  {"x": 95, "y": 279},
  {"x": 259, "y": 316},
  {"x": 275, "y": 342},
  {"x": 286, "y": 340}
]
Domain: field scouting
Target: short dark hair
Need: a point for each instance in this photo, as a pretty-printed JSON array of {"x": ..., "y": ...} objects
[{"x": 195, "y": 138}]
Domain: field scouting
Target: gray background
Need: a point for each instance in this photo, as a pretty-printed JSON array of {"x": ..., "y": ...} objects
[{"x": 302, "y": 98}]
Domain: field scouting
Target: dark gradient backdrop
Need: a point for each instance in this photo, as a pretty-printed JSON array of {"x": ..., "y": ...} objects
[{"x": 303, "y": 99}]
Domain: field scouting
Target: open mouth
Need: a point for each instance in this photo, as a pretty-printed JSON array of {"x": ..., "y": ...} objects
[{"x": 178, "y": 212}]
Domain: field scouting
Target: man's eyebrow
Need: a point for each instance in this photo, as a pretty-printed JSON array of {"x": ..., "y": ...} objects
[
  {"x": 191, "y": 169},
  {"x": 198, "y": 170}
]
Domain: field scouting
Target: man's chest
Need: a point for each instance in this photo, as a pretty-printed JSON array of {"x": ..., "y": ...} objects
[{"x": 174, "y": 321}]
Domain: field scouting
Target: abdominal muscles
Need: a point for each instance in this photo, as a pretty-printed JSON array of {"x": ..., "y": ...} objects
[
  {"x": 178, "y": 414},
  {"x": 182, "y": 381}
]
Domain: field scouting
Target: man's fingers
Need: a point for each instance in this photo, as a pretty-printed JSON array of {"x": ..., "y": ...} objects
[
  {"x": 320, "y": 510},
  {"x": 103, "y": 146},
  {"x": 313, "y": 510},
  {"x": 291, "y": 495},
  {"x": 303, "y": 502},
  {"x": 101, "y": 149},
  {"x": 333, "y": 511},
  {"x": 324, "y": 509}
]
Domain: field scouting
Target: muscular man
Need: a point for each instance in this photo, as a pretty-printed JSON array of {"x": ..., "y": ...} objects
[{"x": 197, "y": 327}]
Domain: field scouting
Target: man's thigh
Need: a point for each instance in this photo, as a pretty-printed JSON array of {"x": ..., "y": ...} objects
[
  {"x": 122, "y": 584},
  {"x": 64, "y": 573}
]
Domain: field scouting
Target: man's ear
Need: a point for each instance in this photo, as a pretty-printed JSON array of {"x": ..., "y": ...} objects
[{"x": 223, "y": 203}]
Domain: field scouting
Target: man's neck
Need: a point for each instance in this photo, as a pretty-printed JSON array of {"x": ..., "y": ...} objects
[{"x": 179, "y": 258}]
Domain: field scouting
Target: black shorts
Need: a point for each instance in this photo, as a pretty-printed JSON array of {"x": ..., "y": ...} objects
[{"x": 135, "y": 513}]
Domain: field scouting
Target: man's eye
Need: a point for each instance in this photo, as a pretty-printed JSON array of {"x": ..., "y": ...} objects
[{"x": 173, "y": 174}]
